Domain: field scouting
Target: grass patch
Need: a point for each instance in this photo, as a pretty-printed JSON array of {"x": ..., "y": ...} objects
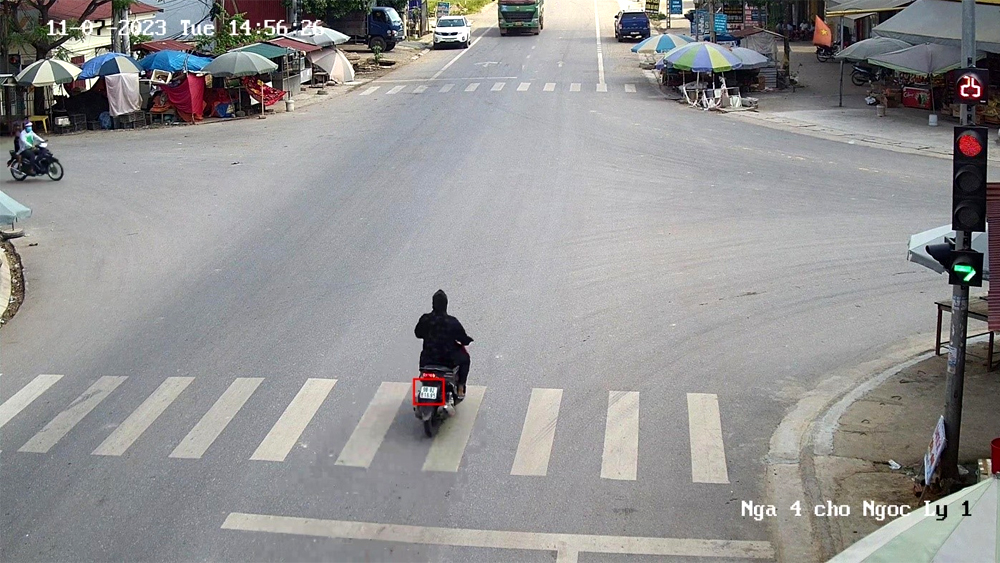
[{"x": 463, "y": 8}]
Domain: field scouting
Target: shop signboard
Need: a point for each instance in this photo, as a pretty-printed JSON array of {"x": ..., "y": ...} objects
[
  {"x": 652, "y": 6},
  {"x": 699, "y": 23},
  {"x": 443, "y": 9},
  {"x": 676, "y": 7},
  {"x": 720, "y": 23}
]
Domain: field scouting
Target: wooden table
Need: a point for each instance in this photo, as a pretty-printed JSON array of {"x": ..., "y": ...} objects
[{"x": 978, "y": 310}]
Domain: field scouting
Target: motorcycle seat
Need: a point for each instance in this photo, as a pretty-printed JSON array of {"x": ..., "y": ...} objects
[{"x": 439, "y": 370}]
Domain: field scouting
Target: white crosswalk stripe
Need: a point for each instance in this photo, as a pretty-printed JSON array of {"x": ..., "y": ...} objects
[
  {"x": 201, "y": 437},
  {"x": 369, "y": 91},
  {"x": 472, "y": 87},
  {"x": 574, "y": 87},
  {"x": 26, "y": 396},
  {"x": 538, "y": 433},
  {"x": 708, "y": 454},
  {"x": 447, "y": 88},
  {"x": 395, "y": 89},
  {"x": 497, "y": 86},
  {"x": 621, "y": 437},
  {"x": 286, "y": 432},
  {"x": 602, "y": 87},
  {"x": 523, "y": 87},
  {"x": 449, "y": 445},
  {"x": 549, "y": 87},
  {"x": 142, "y": 417},
  {"x": 370, "y": 432},
  {"x": 630, "y": 88},
  {"x": 419, "y": 89},
  {"x": 65, "y": 421}
]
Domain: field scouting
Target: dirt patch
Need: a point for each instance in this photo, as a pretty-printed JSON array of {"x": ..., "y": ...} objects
[{"x": 16, "y": 282}]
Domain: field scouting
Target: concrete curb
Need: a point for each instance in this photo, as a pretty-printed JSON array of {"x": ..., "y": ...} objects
[
  {"x": 5, "y": 284},
  {"x": 789, "y": 474}
]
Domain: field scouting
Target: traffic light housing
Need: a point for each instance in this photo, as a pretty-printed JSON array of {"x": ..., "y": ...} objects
[
  {"x": 14, "y": 60},
  {"x": 972, "y": 86},
  {"x": 968, "y": 211},
  {"x": 964, "y": 267}
]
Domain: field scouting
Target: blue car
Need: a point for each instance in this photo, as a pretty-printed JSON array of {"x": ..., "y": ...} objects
[{"x": 631, "y": 24}]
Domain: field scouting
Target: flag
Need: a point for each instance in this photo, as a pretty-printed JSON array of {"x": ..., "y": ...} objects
[{"x": 822, "y": 35}]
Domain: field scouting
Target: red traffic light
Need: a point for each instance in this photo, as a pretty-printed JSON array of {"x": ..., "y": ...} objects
[
  {"x": 972, "y": 85},
  {"x": 969, "y": 144}
]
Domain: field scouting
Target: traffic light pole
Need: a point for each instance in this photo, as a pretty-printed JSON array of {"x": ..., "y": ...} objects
[{"x": 955, "y": 384}]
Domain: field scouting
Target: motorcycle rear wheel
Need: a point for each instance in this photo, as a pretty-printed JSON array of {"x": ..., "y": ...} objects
[
  {"x": 55, "y": 170},
  {"x": 822, "y": 56},
  {"x": 429, "y": 428},
  {"x": 858, "y": 79},
  {"x": 17, "y": 174}
]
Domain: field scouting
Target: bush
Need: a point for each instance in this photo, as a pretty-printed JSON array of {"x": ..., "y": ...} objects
[{"x": 458, "y": 9}]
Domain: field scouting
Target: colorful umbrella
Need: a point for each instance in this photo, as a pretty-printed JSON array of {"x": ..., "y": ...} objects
[
  {"x": 174, "y": 61},
  {"x": 239, "y": 63},
  {"x": 702, "y": 56},
  {"x": 108, "y": 64},
  {"x": 662, "y": 43},
  {"x": 968, "y": 533},
  {"x": 48, "y": 72}
]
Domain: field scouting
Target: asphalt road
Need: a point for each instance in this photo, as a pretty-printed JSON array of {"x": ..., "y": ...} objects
[{"x": 646, "y": 260}]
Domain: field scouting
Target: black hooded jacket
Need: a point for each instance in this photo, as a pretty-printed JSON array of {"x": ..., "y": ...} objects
[{"x": 442, "y": 333}]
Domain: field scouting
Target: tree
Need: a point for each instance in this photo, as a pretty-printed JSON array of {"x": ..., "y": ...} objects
[
  {"x": 224, "y": 40},
  {"x": 35, "y": 32},
  {"x": 339, "y": 8}
]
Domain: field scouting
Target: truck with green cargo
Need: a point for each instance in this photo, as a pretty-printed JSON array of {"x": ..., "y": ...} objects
[{"x": 518, "y": 15}]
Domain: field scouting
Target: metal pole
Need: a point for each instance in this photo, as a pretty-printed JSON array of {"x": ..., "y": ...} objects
[
  {"x": 711, "y": 21},
  {"x": 840, "y": 28},
  {"x": 960, "y": 293}
]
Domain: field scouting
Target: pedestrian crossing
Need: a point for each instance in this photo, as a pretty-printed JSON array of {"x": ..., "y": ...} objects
[
  {"x": 539, "y": 432},
  {"x": 491, "y": 86}
]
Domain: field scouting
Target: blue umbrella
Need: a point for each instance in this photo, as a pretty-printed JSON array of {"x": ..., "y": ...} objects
[
  {"x": 174, "y": 61},
  {"x": 108, "y": 64},
  {"x": 662, "y": 43}
]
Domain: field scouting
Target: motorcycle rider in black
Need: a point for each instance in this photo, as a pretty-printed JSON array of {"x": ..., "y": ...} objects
[{"x": 444, "y": 338}]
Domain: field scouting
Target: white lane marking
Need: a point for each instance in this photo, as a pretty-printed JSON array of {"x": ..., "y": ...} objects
[
  {"x": 523, "y": 87},
  {"x": 67, "y": 419},
  {"x": 538, "y": 433},
  {"x": 708, "y": 453},
  {"x": 293, "y": 421},
  {"x": 449, "y": 445},
  {"x": 497, "y": 87},
  {"x": 452, "y": 61},
  {"x": 370, "y": 432},
  {"x": 208, "y": 429},
  {"x": 142, "y": 417},
  {"x": 447, "y": 88},
  {"x": 409, "y": 80},
  {"x": 18, "y": 401},
  {"x": 395, "y": 89},
  {"x": 472, "y": 87},
  {"x": 600, "y": 50},
  {"x": 500, "y": 539},
  {"x": 630, "y": 88},
  {"x": 549, "y": 87},
  {"x": 602, "y": 87},
  {"x": 621, "y": 437},
  {"x": 370, "y": 90},
  {"x": 419, "y": 89},
  {"x": 574, "y": 87}
]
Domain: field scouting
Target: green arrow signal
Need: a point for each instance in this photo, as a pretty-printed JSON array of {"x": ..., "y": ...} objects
[{"x": 969, "y": 271}]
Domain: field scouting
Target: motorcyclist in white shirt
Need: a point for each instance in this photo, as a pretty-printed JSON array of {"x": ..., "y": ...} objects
[{"x": 29, "y": 140}]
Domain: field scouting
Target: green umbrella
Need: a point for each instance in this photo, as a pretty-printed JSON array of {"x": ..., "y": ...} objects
[
  {"x": 239, "y": 63},
  {"x": 11, "y": 210},
  {"x": 48, "y": 72}
]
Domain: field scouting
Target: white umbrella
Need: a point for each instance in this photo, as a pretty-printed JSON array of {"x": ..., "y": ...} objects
[
  {"x": 239, "y": 63},
  {"x": 48, "y": 72},
  {"x": 872, "y": 47},
  {"x": 968, "y": 533},
  {"x": 751, "y": 59},
  {"x": 334, "y": 63},
  {"x": 917, "y": 251},
  {"x": 319, "y": 36}
]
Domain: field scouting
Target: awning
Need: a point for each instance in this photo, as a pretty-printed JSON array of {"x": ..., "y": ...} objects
[
  {"x": 266, "y": 50},
  {"x": 164, "y": 45},
  {"x": 293, "y": 44},
  {"x": 940, "y": 21},
  {"x": 866, "y": 7}
]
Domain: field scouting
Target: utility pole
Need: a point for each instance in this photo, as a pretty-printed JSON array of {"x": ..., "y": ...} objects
[
  {"x": 960, "y": 293},
  {"x": 711, "y": 20},
  {"x": 121, "y": 42}
]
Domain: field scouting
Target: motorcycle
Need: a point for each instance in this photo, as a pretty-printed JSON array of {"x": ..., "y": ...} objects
[
  {"x": 863, "y": 74},
  {"x": 433, "y": 402},
  {"x": 45, "y": 163},
  {"x": 824, "y": 54}
]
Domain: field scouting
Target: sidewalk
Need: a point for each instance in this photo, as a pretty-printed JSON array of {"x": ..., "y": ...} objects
[
  {"x": 885, "y": 417},
  {"x": 813, "y": 109}
]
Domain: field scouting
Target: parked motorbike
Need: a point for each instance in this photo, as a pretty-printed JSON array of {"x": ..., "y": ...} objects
[
  {"x": 434, "y": 403},
  {"x": 863, "y": 74},
  {"x": 45, "y": 161},
  {"x": 824, "y": 54}
]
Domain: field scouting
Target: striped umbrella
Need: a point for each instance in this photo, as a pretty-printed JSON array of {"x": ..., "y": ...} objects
[
  {"x": 108, "y": 64},
  {"x": 48, "y": 72},
  {"x": 702, "y": 56},
  {"x": 968, "y": 533},
  {"x": 662, "y": 43}
]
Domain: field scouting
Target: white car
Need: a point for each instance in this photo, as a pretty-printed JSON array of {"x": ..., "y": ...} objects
[{"x": 455, "y": 30}]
